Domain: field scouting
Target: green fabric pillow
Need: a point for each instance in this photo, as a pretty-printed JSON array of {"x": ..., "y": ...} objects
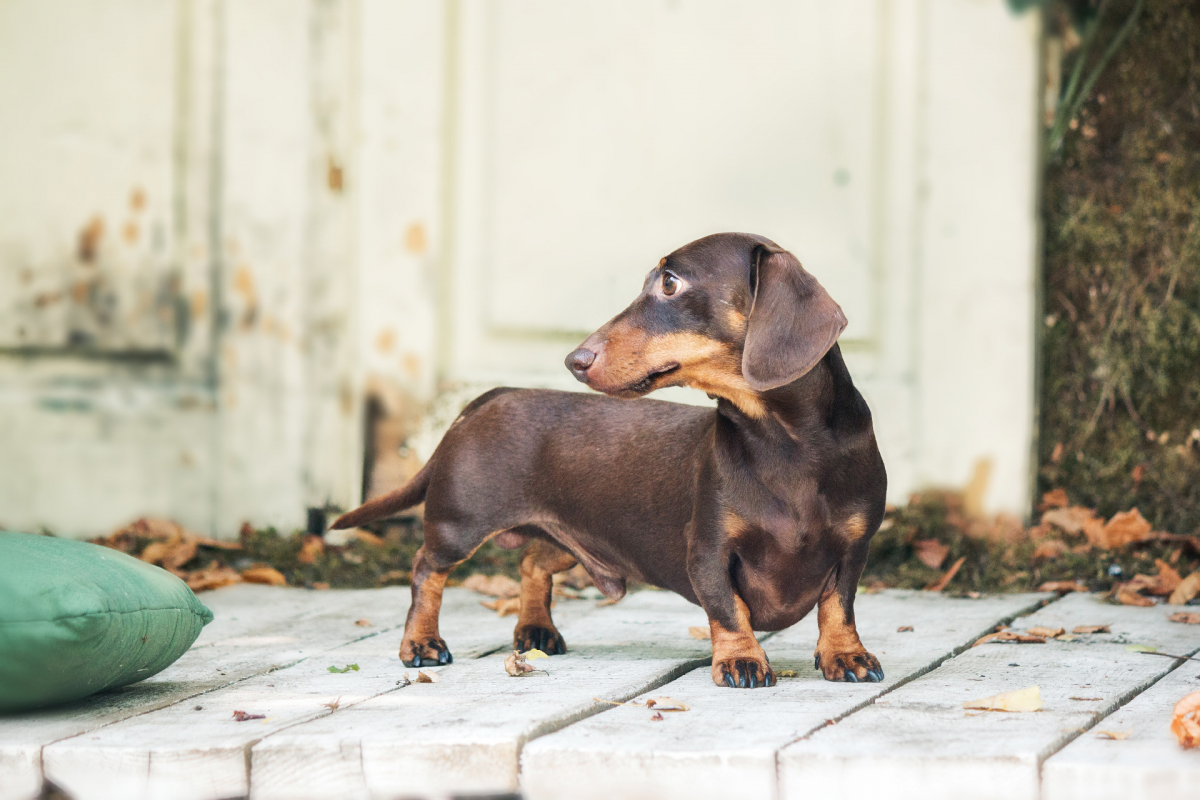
[{"x": 77, "y": 618}]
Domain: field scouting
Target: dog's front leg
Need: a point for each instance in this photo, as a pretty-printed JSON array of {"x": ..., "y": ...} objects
[
  {"x": 738, "y": 659},
  {"x": 840, "y": 654}
]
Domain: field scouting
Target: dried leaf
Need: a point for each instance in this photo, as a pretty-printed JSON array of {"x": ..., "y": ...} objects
[
  {"x": 214, "y": 577},
  {"x": 785, "y": 673},
  {"x": 1072, "y": 519},
  {"x": 1185, "y": 721},
  {"x": 334, "y": 705},
  {"x": 1055, "y": 498},
  {"x": 363, "y": 623},
  {"x": 1010, "y": 636},
  {"x": 1028, "y": 699},
  {"x": 347, "y": 668},
  {"x": 504, "y": 606},
  {"x": 242, "y": 716},
  {"x": 657, "y": 718},
  {"x": 311, "y": 550},
  {"x": 1186, "y": 617},
  {"x": 267, "y": 575},
  {"x": 515, "y": 665},
  {"x": 1126, "y": 527},
  {"x": 530, "y": 655},
  {"x": 1187, "y": 589},
  {"x": 1166, "y": 581},
  {"x": 904, "y": 629},
  {"x": 427, "y": 677},
  {"x": 944, "y": 581},
  {"x": 1127, "y": 597},
  {"x": 1117, "y": 735},
  {"x": 1051, "y": 548},
  {"x": 1062, "y": 586},
  {"x": 696, "y": 632},
  {"x": 930, "y": 552},
  {"x": 494, "y": 585},
  {"x": 667, "y": 704},
  {"x": 1090, "y": 629},
  {"x": 1049, "y": 633}
]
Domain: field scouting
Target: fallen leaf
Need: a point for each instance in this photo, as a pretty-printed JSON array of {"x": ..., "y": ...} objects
[
  {"x": 1010, "y": 636},
  {"x": 1185, "y": 721},
  {"x": 1028, "y": 699},
  {"x": 1166, "y": 581},
  {"x": 785, "y": 673},
  {"x": 242, "y": 716},
  {"x": 1117, "y": 735},
  {"x": 1062, "y": 586},
  {"x": 942, "y": 582},
  {"x": 504, "y": 606},
  {"x": 334, "y": 705},
  {"x": 1066, "y": 637},
  {"x": 1072, "y": 519},
  {"x": 657, "y": 718},
  {"x": 904, "y": 629},
  {"x": 515, "y": 665},
  {"x": 1186, "y": 617},
  {"x": 1090, "y": 629},
  {"x": 696, "y": 632},
  {"x": 171, "y": 554},
  {"x": 311, "y": 550},
  {"x": 534, "y": 653},
  {"x": 363, "y": 623},
  {"x": 930, "y": 552},
  {"x": 1051, "y": 548},
  {"x": 667, "y": 704},
  {"x": 1140, "y": 648},
  {"x": 1127, "y": 597},
  {"x": 1055, "y": 498},
  {"x": 1187, "y": 589},
  {"x": 427, "y": 677},
  {"x": 1049, "y": 633},
  {"x": 267, "y": 575},
  {"x": 1125, "y": 527},
  {"x": 214, "y": 577},
  {"x": 495, "y": 585},
  {"x": 320, "y": 586},
  {"x": 347, "y": 668}
]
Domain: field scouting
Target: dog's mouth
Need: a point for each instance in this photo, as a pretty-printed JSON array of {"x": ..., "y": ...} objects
[{"x": 646, "y": 383}]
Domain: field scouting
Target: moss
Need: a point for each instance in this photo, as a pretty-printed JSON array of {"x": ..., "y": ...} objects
[{"x": 1121, "y": 347}]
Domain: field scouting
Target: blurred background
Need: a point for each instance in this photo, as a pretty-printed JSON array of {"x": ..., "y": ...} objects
[{"x": 255, "y": 255}]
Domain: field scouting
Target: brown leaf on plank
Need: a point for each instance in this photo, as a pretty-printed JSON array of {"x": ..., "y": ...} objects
[
  {"x": 1090, "y": 629},
  {"x": 495, "y": 585},
  {"x": 268, "y": 575},
  {"x": 1117, "y": 735},
  {"x": 427, "y": 677},
  {"x": 1185, "y": 721},
  {"x": 1048, "y": 633},
  {"x": 516, "y": 666},
  {"x": 1009, "y": 636},
  {"x": 1128, "y": 597},
  {"x": 1186, "y": 617},
  {"x": 363, "y": 623},
  {"x": 242, "y": 716},
  {"x": 1062, "y": 586},
  {"x": 657, "y": 718},
  {"x": 1027, "y": 699},
  {"x": 214, "y": 577},
  {"x": 696, "y": 632},
  {"x": 944, "y": 581},
  {"x": 904, "y": 629},
  {"x": 930, "y": 552},
  {"x": 1187, "y": 589}
]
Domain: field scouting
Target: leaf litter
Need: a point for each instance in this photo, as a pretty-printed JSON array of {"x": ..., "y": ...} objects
[
  {"x": 517, "y": 666},
  {"x": 1027, "y": 699}
]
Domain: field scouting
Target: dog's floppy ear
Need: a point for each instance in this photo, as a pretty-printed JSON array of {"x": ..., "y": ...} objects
[{"x": 793, "y": 320}]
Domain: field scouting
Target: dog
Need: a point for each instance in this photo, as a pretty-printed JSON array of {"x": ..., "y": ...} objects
[{"x": 757, "y": 510}]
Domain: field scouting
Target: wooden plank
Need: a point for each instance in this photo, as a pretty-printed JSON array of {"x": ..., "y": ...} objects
[
  {"x": 726, "y": 745},
  {"x": 465, "y": 733},
  {"x": 255, "y": 629},
  {"x": 1149, "y": 765},
  {"x": 196, "y": 750},
  {"x": 919, "y": 742}
]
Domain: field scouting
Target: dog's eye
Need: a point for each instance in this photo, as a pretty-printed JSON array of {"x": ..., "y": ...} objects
[{"x": 670, "y": 284}]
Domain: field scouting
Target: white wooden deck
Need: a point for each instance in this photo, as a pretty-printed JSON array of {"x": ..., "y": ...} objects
[{"x": 479, "y": 731}]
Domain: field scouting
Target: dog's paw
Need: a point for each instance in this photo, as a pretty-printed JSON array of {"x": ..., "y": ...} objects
[
  {"x": 540, "y": 637},
  {"x": 429, "y": 653},
  {"x": 854, "y": 667},
  {"x": 748, "y": 672}
]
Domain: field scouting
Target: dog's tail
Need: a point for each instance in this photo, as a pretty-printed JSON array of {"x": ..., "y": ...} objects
[{"x": 406, "y": 496}]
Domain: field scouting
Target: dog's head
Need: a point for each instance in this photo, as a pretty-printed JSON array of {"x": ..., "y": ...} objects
[{"x": 732, "y": 314}]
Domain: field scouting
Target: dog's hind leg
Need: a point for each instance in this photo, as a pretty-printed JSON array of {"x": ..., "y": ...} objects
[{"x": 534, "y": 628}]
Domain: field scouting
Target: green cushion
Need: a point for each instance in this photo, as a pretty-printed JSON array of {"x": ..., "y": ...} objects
[{"x": 77, "y": 618}]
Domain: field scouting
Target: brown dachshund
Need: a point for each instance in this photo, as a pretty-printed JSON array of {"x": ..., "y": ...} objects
[{"x": 757, "y": 510}]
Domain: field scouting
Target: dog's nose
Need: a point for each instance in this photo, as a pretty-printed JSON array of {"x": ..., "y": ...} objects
[{"x": 579, "y": 361}]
